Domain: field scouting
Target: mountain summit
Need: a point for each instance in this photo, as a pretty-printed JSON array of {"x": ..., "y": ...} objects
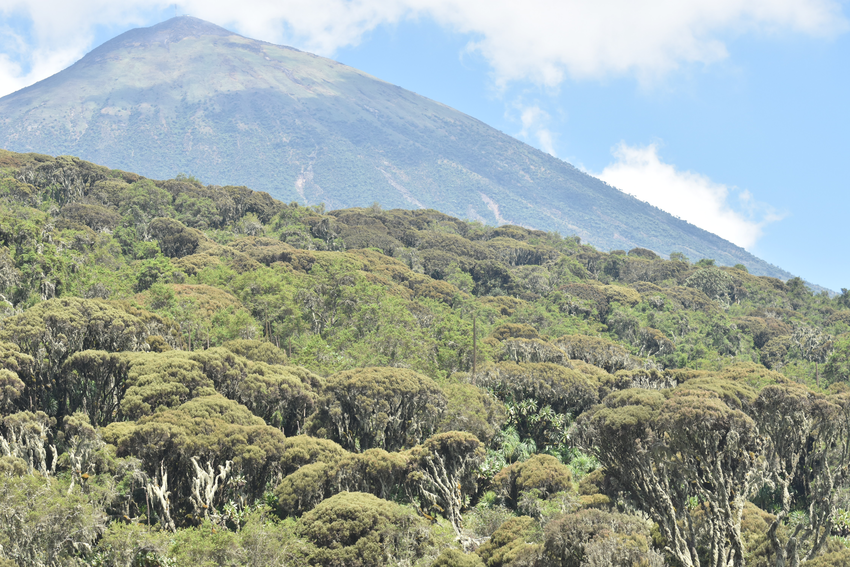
[
  {"x": 189, "y": 96},
  {"x": 169, "y": 31}
]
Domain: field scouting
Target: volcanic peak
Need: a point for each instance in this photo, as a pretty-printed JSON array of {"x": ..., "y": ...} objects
[{"x": 163, "y": 33}]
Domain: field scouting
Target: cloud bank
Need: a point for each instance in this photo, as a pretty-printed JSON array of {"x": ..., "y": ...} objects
[
  {"x": 541, "y": 41},
  {"x": 691, "y": 196}
]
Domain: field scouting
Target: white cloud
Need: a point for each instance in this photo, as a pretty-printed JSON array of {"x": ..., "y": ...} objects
[
  {"x": 534, "y": 120},
  {"x": 691, "y": 196},
  {"x": 43, "y": 63},
  {"x": 60, "y": 33},
  {"x": 547, "y": 41},
  {"x": 543, "y": 41}
]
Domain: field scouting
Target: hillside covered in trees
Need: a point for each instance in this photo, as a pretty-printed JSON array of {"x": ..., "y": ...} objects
[{"x": 203, "y": 375}]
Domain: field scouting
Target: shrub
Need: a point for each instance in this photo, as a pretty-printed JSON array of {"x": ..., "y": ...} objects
[
  {"x": 303, "y": 490},
  {"x": 597, "y": 538},
  {"x": 358, "y": 530},
  {"x": 510, "y": 542},
  {"x": 456, "y": 558},
  {"x": 543, "y": 473}
]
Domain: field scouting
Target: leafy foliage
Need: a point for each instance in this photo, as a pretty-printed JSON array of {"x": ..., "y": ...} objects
[
  {"x": 212, "y": 377},
  {"x": 380, "y": 407}
]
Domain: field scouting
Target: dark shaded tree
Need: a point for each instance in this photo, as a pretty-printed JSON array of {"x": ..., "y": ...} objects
[
  {"x": 174, "y": 238},
  {"x": 542, "y": 473},
  {"x": 387, "y": 408},
  {"x": 808, "y": 447},
  {"x": 52, "y": 331}
]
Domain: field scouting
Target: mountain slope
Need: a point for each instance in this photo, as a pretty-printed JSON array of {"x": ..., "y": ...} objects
[{"x": 189, "y": 96}]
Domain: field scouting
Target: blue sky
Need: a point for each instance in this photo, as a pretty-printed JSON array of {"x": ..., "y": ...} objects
[{"x": 732, "y": 114}]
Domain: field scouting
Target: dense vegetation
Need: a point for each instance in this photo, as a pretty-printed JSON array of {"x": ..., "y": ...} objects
[
  {"x": 187, "y": 95},
  {"x": 202, "y": 375}
]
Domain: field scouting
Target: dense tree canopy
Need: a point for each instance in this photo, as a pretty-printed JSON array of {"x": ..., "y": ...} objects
[
  {"x": 387, "y": 408},
  {"x": 201, "y": 375}
]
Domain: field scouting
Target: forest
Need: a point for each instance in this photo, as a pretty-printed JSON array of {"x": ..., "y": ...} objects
[{"x": 202, "y": 375}]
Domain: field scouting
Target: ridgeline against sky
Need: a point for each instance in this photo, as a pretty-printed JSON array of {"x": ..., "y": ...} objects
[{"x": 188, "y": 96}]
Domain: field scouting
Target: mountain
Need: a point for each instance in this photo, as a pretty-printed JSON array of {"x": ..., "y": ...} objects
[{"x": 188, "y": 96}]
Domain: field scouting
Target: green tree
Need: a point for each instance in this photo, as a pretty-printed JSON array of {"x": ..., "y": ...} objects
[
  {"x": 97, "y": 382},
  {"x": 442, "y": 473},
  {"x": 713, "y": 282},
  {"x": 258, "y": 351},
  {"x": 837, "y": 367},
  {"x": 527, "y": 388},
  {"x": 597, "y": 351},
  {"x": 282, "y": 396},
  {"x": 814, "y": 346},
  {"x": 807, "y": 436},
  {"x": 304, "y": 489},
  {"x": 25, "y": 436},
  {"x": 142, "y": 202},
  {"x": 693, "y": 450},
  {"x": 456, "y": 558},
  {"x": 471, "y": 409},
  {"x": 596, "y": 538},
  {"x": 174, "y": 238},
  {"x": 389, "y": 408},
  {"x": 12, "y": 363},
  {"x": 11, "y": 388},
  {"x": 541, "y": 473},
  {"x": 360, "y": 530},
  {"x": 161, "y": 380},
  {"x": 514, "y": 543},
  {"x": 212, "y": 429},
  {"x": 48, "y": 522},
  {"x": 301, "y": 450},
  {"x": 374, "y": 472},
  {"x": 153, "y": 270}
]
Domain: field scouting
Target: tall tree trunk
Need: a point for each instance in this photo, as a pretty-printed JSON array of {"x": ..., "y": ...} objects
[{"x": 474, "y": 347}]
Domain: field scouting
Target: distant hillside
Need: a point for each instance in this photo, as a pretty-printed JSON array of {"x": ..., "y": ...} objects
[{"x": 188, "y": 96}]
